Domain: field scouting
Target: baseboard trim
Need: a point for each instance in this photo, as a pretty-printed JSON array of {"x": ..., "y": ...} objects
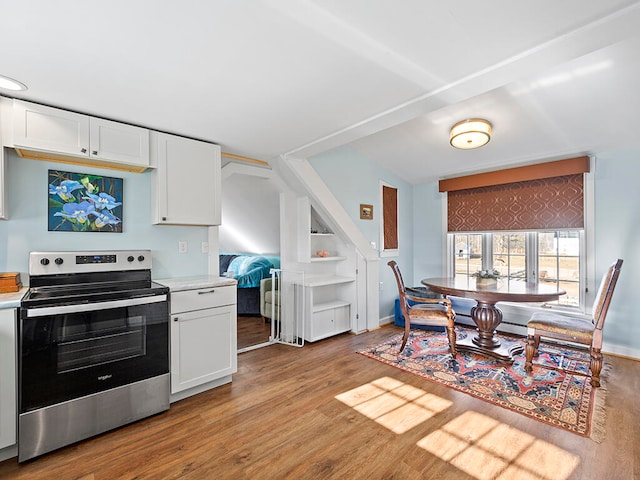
[
  {"x": 621, "y": 351},
  {"x": 517, "y": 329},
  {"x": 387, "y": 320}
]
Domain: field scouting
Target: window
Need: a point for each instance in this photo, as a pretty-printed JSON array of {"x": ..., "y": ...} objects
[
  {"x": 509, "y": 254},
  {"x": 553, "y": 257},
  {"x": 468, "y": 253},
  {"x": 529, "y": 223},
  {"x": 559, "y": 263}
]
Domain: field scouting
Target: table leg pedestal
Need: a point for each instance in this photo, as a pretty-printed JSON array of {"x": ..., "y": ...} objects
[{"x": 487, "y": 317}]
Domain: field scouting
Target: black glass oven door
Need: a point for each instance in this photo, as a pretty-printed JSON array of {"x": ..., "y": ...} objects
[{"x": 71, "y": 351}]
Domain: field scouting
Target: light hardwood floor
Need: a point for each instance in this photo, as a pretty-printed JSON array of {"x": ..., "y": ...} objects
[
  {"x": 280, "y": 419},
  {"x": 252, "y": 330}
]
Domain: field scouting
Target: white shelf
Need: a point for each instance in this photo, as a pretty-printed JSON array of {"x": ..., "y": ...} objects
[
  {"x": 330, "y": 282},
  {"x": 322, "y": 280},
  {"x": 320, "y": 307},
  {"x": 327, "y": 259}
]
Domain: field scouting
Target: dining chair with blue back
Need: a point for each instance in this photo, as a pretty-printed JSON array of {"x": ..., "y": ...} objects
[{"x": 425, "y": 311}]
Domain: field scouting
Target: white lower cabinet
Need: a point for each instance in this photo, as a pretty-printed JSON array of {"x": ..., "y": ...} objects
[
  {"x": 203, "y": 338},
  {"x": 325, "y": 323},
  {"x": 327, "y": 303},
  {"x": 8, "y": 413}
]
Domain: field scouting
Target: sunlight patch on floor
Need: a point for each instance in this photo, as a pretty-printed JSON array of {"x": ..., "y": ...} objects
[
  {"x": 490, "y": 450},
  {"x": 394, "y": 404}
]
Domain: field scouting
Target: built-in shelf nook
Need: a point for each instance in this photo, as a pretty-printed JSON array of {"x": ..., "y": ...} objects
[{"x": 330, "y": 275}]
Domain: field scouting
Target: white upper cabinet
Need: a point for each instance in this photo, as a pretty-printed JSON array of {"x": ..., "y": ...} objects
[
  {"x": 51, "y": 129},
  {"x": 118, "y": 142},
  {"x": 185, "y": 183},
  {"x": 63, "y": 133}
]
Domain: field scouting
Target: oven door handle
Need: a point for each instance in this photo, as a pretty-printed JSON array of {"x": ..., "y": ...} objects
[{"x": 90, "y": 307}]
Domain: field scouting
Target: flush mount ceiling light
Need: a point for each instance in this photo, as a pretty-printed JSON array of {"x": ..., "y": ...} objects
[
  {"x": 471, "y": 133},
  {"x": 11, "y": 84}
]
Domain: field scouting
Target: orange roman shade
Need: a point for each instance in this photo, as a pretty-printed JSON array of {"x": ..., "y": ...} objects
[{"x": 549, "y": 202}]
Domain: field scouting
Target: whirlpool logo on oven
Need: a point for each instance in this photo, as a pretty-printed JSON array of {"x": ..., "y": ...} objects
[{"x": 105, "y": 377}]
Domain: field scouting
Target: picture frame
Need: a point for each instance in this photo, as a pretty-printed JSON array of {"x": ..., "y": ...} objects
[
  {"x": 82, "y": 202},
  {"x": 366, "y": 211}
]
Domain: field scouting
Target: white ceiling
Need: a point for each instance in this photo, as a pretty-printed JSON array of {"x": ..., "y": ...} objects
[{"x": 301, "y": 77}]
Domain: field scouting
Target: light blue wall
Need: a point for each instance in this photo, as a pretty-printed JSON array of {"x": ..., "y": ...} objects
[
  {"x": 617, "y": 219},
  {"x": 353, "y": 179},
  {"x": 26, "y": 229},
  {"x": 427, "y": 231}
]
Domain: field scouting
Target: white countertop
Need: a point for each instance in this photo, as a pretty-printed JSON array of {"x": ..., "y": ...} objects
[
  {"x": 177, "y": 284},
  {"x": 12, "y": 300}
]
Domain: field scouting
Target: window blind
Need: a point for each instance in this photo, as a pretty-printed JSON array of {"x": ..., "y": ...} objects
[{"x": 552, "y": 202}]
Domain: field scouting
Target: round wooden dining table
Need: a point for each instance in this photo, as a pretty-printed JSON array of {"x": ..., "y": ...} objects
[{"x": 486, "y": 315}]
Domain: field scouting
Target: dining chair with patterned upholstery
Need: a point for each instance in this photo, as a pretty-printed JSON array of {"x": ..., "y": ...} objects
[
  {"x": 576, "y": 330},
  {"x": 424, "y": 311}
]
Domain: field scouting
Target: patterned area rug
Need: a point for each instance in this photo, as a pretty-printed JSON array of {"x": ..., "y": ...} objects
[{"x": 555, "y": 397}]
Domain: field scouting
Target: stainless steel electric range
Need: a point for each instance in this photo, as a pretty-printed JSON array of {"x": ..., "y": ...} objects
[{"x": 93, "y": 347}]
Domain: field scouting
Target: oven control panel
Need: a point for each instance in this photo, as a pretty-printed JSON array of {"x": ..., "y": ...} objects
[
  {"x": 47, "y": 263},
  {"x": 81, "y": 259}
]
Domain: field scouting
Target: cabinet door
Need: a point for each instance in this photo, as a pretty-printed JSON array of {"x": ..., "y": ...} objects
[
  {"x": 342, "y": 319},
  {"x": 203, "y": 346},
  {"x": 118, "y": 142},
  {"x": 46, "y": 128},
  {"x": 8, "y": 414},
  {"x": 3, "y": 190},
  {"x": 186, "y": 182},
  {"x": 325, "y": 323},
  {"x": 322, "y": 325}
]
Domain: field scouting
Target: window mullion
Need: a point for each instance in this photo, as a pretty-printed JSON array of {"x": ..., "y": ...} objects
[
  {"x": 487, "y": 251},
  {"x": 531, "y": 256}
]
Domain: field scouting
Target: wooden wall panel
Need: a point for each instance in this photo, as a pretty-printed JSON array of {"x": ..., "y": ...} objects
[{"x": 390, "y": 217}]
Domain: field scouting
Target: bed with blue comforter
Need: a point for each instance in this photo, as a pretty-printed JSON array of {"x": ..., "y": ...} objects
[{"x": 248, "y": 269}]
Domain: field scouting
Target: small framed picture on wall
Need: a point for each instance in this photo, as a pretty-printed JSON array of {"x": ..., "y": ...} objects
[{"x": 366, "y": 212}]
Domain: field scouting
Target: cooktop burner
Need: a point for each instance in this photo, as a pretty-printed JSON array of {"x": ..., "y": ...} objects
[
  {"x": 63, "y": 278},
  {"x": 89, "y": 293}
]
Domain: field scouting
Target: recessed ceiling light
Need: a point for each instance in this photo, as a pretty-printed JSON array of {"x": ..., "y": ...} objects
[{"x": 11, "y": 84}]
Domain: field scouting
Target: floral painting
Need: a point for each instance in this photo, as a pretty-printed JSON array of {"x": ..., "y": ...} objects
[{"x": 84, "y": 203}]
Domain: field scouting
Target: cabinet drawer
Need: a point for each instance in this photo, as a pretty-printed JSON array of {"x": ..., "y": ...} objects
[{"x": 189, "y": 300}]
